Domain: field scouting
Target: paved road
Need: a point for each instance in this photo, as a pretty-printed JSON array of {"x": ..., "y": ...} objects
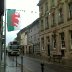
[{"x": 33, "y": 65}]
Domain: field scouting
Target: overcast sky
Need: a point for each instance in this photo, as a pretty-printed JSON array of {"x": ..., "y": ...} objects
[{"x": 27, "y": 17}]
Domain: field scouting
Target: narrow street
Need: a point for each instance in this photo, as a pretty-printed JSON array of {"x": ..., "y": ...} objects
[{"x": 33, "y": 65}]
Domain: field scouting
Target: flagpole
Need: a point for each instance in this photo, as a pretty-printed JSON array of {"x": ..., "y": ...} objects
[
  {"x": 5, "y": 45},
  {"x": 5, "y": 38}
]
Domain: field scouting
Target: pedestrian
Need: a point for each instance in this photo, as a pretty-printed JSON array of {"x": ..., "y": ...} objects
[{"x": 42, "y": 66}]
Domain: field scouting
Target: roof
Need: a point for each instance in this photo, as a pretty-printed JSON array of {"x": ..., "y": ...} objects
[{"x": 29, "y": 26}]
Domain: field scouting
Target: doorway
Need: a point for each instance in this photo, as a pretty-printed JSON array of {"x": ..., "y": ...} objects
[
  {"x": 48, "y": 50},
  {"x": 62, "y": 52}
]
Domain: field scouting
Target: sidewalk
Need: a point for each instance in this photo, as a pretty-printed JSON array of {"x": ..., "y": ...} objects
[
  {"x": 2, "y": 68},
  {"x": 11, "y": 65}
]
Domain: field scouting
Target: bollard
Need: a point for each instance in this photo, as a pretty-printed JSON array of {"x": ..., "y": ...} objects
[
  {"x": 21, "y": 63},
  {"x": 21, "y": 58},
  {"x": 16, "y": 60},
  {"x": 42, "y": 67}
]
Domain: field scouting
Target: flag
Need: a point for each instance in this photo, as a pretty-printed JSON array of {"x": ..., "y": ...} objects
[{"x": 13, "y": 20}]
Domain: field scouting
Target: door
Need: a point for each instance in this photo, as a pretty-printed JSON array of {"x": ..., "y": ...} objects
[
  {"x": 62, "y": 52},
  {"x": 48, "y": 50}
]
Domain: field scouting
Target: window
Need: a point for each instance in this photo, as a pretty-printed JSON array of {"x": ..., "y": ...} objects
[
  {"x": 54, "y": 40},
  {"x": 42, "y": 43},
  {"x": 53, "y": 20},
  {"x": 42, "y": 26},
  {"x": 61, "y": 15},
  {"x": 46, "y": 6},
  {"x": 46, "y": 22},
  {"x": 38, "y": 39},
  {"x": 48, "y": 39},
  {"x": 35, "y": 38},
  {"x": 71, "y": 38},
  {"x": 52, "y": 3},
  {"x": 41, "y": 11},
  {"x": 62, "y": 40},
  {"x": 30, "y": 30},
  {"x": 70, "y": 10},
  {"x": 31, "y": 37},
  {"x": 58, "y": 1}
]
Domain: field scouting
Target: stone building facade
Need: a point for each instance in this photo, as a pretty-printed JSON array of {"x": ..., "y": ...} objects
[
  {"x": 29, "y": 38},
  {"x": 22, "y": 39},
  {"x": 33, "y": 37},
  {"x": 55, "y": 27}
]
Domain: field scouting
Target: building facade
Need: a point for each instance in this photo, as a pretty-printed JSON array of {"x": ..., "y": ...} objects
[
  {"x": 55, "y": 27},
  {"x": 33, "y": 37},
  {"x": 22, "y": 39},
  {"x": 29, "y": 38}
]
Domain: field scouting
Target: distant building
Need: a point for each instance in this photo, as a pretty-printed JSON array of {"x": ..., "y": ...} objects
[
  {"x": 33, "y": 37},
  {"x": 29, "y": 38},
  {"x": 56, "y": 27},
  {"x": 22, "y": 39}
]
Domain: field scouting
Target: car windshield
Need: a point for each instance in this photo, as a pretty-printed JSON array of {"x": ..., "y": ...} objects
[{"x": 14, "y": 47}]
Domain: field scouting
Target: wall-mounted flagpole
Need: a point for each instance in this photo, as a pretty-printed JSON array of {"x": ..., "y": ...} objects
[{"x": 5, "y": 38}]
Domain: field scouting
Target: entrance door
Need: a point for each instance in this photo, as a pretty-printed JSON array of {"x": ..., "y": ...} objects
[
  {"x": 48, "y": 50},
  {"x": 62, "y": 52}
]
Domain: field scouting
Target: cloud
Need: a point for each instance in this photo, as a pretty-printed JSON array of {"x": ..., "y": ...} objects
[{"x": 26, "y": 18}]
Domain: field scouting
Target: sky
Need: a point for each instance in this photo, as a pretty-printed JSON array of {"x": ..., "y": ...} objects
[{"x": 26, "y": 17}]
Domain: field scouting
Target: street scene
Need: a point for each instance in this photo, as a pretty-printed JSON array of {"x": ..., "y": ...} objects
[
  {"x": 36, "y": 36},
  {"x": 31, "y": 64}
]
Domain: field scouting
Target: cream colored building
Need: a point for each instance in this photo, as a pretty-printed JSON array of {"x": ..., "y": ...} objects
[
  {"x": 56, "y": 27},
  {"x": 24, "y": 41}
]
